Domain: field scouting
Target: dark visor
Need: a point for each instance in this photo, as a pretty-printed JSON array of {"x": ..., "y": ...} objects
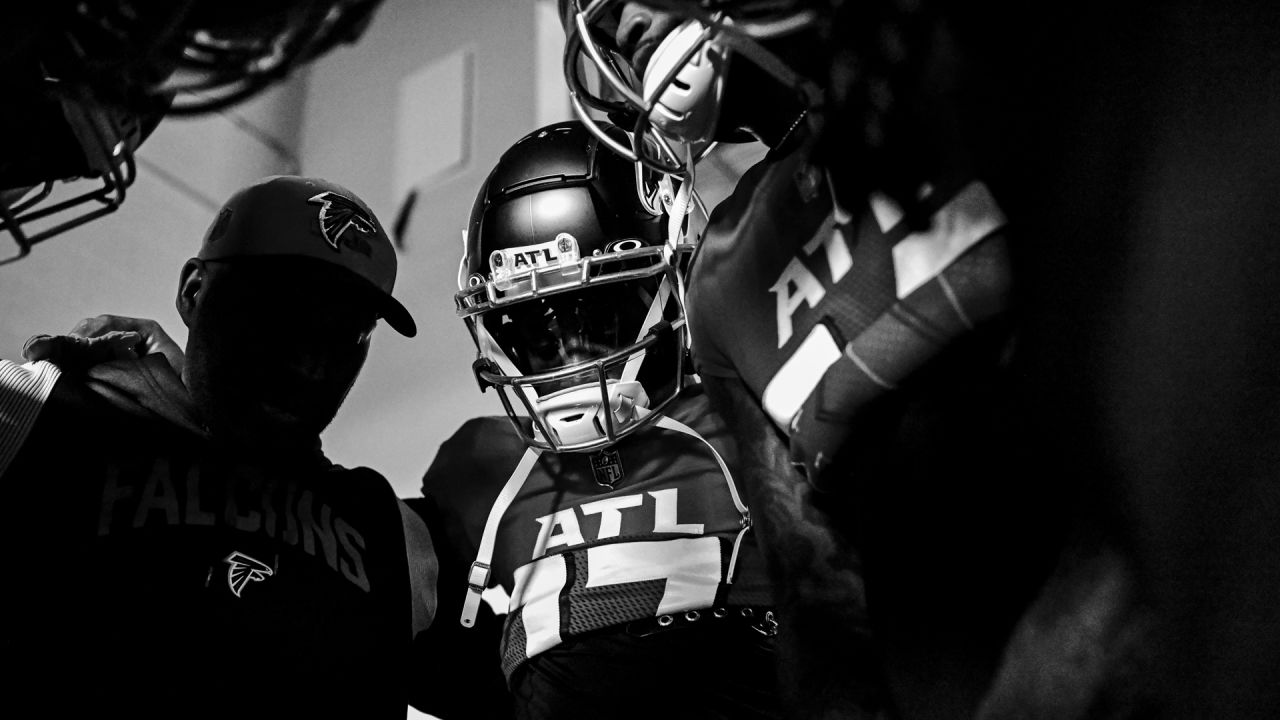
[{"x": 554, "y": 331}]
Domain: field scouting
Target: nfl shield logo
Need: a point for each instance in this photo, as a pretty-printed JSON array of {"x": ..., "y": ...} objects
[{"x": 607, "y": 466}]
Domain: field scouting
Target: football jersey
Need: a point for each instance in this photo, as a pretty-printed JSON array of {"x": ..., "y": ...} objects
[
  {"x": 650, "y": 526},
  {"x": 162, "y": 576},
  {"x": 881, "y": 348},
  {"x": 821, "y": 311}
]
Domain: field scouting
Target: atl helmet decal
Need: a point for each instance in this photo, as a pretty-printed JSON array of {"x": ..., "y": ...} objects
[
  {"x": 337, "y": 214},
  {"x": 561, "y": 252},
  {"x": 243, "y": 569}
]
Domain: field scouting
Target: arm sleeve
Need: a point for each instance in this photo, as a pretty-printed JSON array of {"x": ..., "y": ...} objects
[
  {"x": 23, "y": 392},
  {"x": 705, "y": 352},
  {"x": 424, "y": 568},
  {"x": 457, "y": 671}
]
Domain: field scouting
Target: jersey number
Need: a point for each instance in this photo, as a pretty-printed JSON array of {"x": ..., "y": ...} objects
[{"x": 690, "y": 567}]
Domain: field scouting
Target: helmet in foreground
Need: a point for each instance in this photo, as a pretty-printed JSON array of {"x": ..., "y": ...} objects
[
  {"x": 671, "y": 99},
  {"x": 93, "y": 78}
]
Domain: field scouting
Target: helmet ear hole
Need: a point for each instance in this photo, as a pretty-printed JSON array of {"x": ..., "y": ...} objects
[{"x": 686, "y": 75}]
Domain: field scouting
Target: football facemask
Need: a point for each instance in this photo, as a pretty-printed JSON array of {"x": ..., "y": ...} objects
[
  {"x": 673, "y": 108},
  {"x": 205, "y": 55},
  {"x": 586, "y": 367},
  {"x": 75, "y": 166},
  {"x": 96, "y": 77},
  {"x": 570, "y": 287}
]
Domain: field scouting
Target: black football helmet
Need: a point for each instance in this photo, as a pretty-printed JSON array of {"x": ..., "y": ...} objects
[
  {"x": 75, "y": 159},
  {"x": 570, "y": 284},
  {"x": 672, "y": 103},
  {"x": 93, "y": 78}
]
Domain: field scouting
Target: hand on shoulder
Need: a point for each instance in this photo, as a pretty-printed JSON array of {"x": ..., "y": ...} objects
[{"x": 104, "y": 338}]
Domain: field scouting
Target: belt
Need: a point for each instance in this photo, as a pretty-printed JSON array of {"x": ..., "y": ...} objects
[{"x": 760, "y": 620}]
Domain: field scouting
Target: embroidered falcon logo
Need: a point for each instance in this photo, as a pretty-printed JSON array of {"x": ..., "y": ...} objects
[
  {"x": 243, "y": 570},
  {"x": 339, "y": 214}
]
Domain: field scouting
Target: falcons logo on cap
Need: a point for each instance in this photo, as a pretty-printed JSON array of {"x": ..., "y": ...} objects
[
  {"x": 244, "y": 569},
  {"x": 337, "y": 214}
]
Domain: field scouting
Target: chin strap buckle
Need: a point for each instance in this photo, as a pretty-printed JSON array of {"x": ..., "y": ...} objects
[{"x": 482, "y": 365}]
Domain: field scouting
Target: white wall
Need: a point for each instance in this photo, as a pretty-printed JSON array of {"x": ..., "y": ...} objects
[{"x": 488, "y": 81}]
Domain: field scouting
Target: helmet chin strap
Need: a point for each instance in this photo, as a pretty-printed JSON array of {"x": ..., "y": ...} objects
[
  {"x": 680, "y": 202},
  {"x": 677, "y": 211},
  {"x": 653, "y": 317},
  {"x": 676, "y": 230},
  {"x": 677, "y": 214}
]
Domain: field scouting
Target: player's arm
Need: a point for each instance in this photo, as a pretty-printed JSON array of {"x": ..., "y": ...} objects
[
  {"x": 46, "y": 389},
  {"x": 954, "y": 284},
  {"x": 37, "y": 397},
  {"x": 424, "y": 568},
  {"x": 814, "y": 569},
  {"x": 457, "y": 670},
  {"x": 25, "y": 390}
]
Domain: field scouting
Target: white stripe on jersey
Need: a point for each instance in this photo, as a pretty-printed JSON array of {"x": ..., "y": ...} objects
[
  {"x": 690, "y": 567},
  {"x": 799, "y": 375},
  {"x": 537, "y": 597},
  {"x": 966, "y": 219},
  {"x": 23, "y": 392}
]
